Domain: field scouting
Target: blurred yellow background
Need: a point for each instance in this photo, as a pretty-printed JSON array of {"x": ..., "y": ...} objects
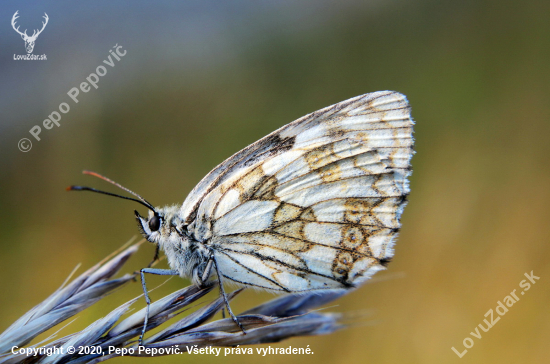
[{"x": 203, "y": 79}]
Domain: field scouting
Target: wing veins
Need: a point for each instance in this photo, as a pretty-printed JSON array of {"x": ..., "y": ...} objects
[
  {"x": 328, "y": 246},
  {"x": 251, "y": 284},
  {"x": 382, "y": 226},
  {"x": 263, "y": 257},
  {"x": 291, "y": 237},
  {"x": 345, "y": 179},
  {"x": 250, "y": 270},
  {"x": 337, "y": 161}
]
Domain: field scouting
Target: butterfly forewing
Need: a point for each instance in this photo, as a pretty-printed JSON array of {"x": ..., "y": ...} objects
[{"x": 314, "y": 205}]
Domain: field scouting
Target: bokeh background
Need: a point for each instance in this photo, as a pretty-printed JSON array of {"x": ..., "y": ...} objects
[{"x": 203, "y": 79}]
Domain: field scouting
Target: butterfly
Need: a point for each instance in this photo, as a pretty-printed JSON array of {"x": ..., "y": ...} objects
[{"x": 313, "y": 206}]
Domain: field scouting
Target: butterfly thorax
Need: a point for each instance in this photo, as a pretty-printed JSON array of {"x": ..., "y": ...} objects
[{"x": 184, "y": 254}]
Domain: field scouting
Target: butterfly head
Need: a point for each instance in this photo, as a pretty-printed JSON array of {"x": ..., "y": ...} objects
[
  {"x": 150, "y": 227},
  {"x": 159, "y": 224}
]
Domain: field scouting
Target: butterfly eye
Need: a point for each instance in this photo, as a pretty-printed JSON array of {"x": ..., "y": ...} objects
[{"x": 154, "y": 223}]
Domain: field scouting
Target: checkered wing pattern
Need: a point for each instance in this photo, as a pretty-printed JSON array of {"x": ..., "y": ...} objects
[{"x": 314, "y": 205}]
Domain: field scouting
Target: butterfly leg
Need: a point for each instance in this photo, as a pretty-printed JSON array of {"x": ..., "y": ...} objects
[
  {"x": 222, "y": 292},
  {"x": 161, "y": 272}
]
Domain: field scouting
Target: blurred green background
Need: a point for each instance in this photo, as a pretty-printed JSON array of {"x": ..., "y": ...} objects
[{"x": 203, "y": 79}]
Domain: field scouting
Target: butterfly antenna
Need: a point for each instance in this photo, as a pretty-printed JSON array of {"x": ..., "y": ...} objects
[{"x": 139, "y": 199}]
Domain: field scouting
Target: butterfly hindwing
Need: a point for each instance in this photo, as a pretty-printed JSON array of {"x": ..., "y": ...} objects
[{"x": 314, "y": 205}]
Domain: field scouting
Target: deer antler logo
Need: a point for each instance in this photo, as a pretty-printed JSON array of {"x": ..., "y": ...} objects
[{"x": 29, "y": 41}]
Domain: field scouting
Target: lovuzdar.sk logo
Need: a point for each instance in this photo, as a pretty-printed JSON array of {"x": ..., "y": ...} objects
[{"x": 29, "y": 40}]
